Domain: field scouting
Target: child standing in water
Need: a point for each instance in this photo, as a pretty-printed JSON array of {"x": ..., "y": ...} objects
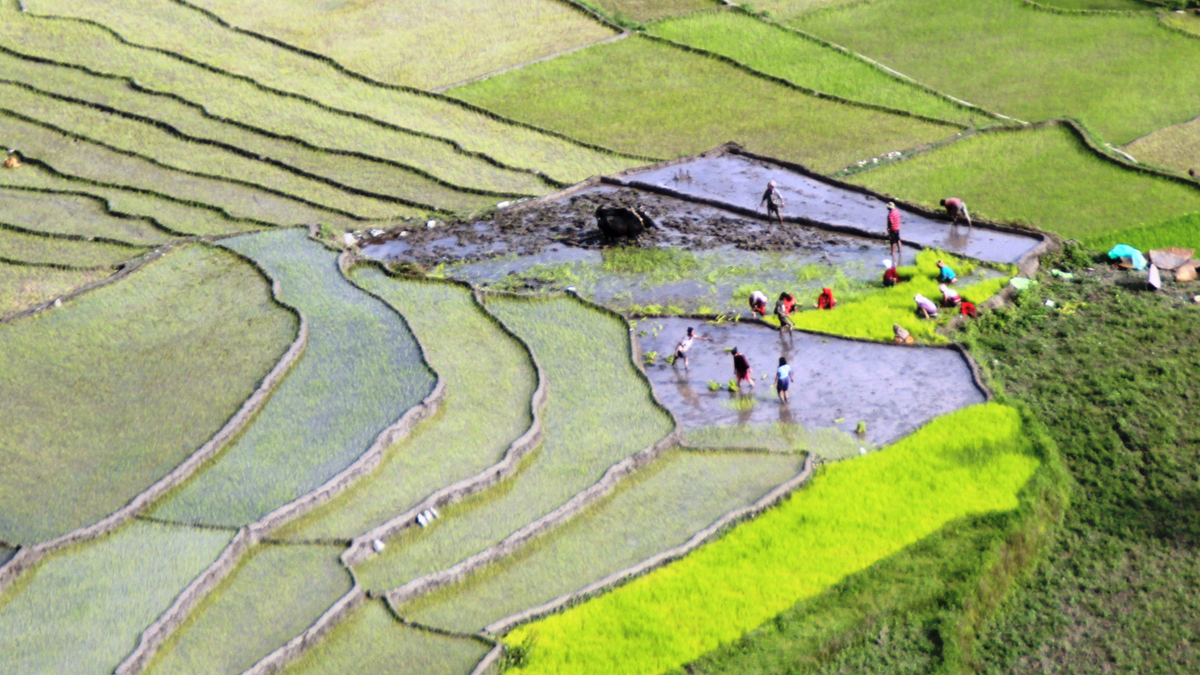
[
  {"x": 741, "y": 369},
  {"x": 681, "y": 349},
  {"x": 783, "y": 379}
]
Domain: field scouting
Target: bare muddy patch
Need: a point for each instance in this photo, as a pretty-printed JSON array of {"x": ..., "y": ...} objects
[{"x": 836, "y": 383}]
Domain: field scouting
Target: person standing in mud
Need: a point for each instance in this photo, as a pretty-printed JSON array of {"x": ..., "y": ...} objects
[
  {"x": 783, "y": 379},
  {"x": 681, "y": 349},
  {"x": 893, "y": 231},
  {"x": 741, "y": 370},
  {"x": 783, "y": 311},
  {"x": 774, "y": 202},
  {"x": 957, "y": 209}
]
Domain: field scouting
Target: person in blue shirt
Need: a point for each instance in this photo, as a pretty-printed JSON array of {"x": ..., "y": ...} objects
[
  {"x": 945, "y": 274},
  {"x": 783, "y": 379}
]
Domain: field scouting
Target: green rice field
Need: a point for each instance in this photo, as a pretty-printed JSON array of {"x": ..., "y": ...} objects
[
  {"x": 1176, "y": 147},
  {"x": 110, "y": 392},
  {"x": 75, "y": 216},
  {"x": 649, "y": 10},
  {"x": 23, "y": 286},
  {"x": 38, "y": 249}
]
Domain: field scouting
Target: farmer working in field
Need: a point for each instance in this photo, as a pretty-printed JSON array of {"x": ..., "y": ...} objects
[
  {"x": 758, "y": 304},
  {"x": 774, "y": 202},
  {"x": 950, "y": 297},
  {"x": 956, "y": 209},
  {"x": 681, "y": 349},
  {"x": 890, "y": 276},
  {"x": 825, "y": 299},
  {"x": 925, "y": 307},
  {"x": 783, "y": 380},
  {"x": 893, "y": 230},
  {"x": 903, "y": 337},
  {"x": 741, "y": 369},
  {"x": 945, "y": 274},
  {"x": 783, "y": 311}
]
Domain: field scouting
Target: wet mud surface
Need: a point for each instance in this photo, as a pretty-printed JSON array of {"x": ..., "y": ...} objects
[
  {"x": 740, "y": 181},
  {"x": 835, "y": 383}
]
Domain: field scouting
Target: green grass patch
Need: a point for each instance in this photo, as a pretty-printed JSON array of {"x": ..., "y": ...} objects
[
  {"x": 147, "y": 140},
  {"x": 642, "y": 96},
  {"x": 660, "y": 265},
  {"x": 828, "y": 443},
  {"x": 599, "y": 412},
  {"x": 362, "y": 36},
  {"x": 40, "y": 249},
  {"x": 1042, "y": 177},
  {"x": 786, "y": 9},
  {"x": 658, "y": 508},
  {"x": 110, "y": 392},
  {"x": 489, "y": 382},
  {"x": 1183, "y": 231},
  {"x": 627, "y": 11},
  {"x": 870, "y": 311},
  {"x": 22, "y": 286},
  {"x": 273, "y": 595},
  {"x": 1176, "y": 147},
  {"x": 83, "y": 609},
  {"x": 776, "y": 51},
  {"x": 360, "y": 372},
  {"x": 851, "y": 516},
  {"x": 75, "y": 215},
  {"x": 173, "y": 27},
  {"x": 1028, "y": 63},
  {"x": 228, "y": 98},
  {"x": 372, "y": 641}
]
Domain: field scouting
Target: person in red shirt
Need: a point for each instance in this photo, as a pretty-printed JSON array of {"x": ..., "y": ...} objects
[
  {"x": 783, "y": 311},
  {"x": 893, "y": 230},
  {"x": 758, "y": 303},
  {"x": 890, "y": 276},
  {"x": 741, "y": 369},
  {"x": 968, "y": 310},
  {"x": 825, "y": 299},
  {"x": 957, "y": 209}
]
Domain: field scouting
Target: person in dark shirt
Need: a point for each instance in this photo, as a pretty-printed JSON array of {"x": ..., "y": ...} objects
[
  {"x": 774, "y": 202},
  {"x": 741, "y": 369}
]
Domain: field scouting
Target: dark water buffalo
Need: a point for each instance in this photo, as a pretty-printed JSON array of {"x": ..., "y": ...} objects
[{"x": 618, "y": 221}]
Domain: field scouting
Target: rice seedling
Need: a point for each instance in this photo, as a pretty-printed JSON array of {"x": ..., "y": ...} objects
[
  {"x": 659, "y": 265},
  {"x": 372, "y": 640},
  {"x": 599, "y": 412},
  {"x": 1176, "y": 147},
  {"x": 181, "y": 29},
  {"x": 1183, "y": 231},
  {"x": 1043, "y": 177},
  {"x": 361, "y": 37},
  {"x": 360, "y": 372},
  {"x": 273, "y": 595},
  {"x": 777, "y": 51},
  {"x": 642, "y": 96},
  {"x": 75, "y": 216},
  {"x": 148, "y": 140},
  {"x": 82, "y": 609},
  {"x": 853, "y": 515},
  {"x": 1031, "y": 64},
  {"x": 713, "y": 385},
  {"x": 489, "y": 381},
  {"x": 659, "y": 508},
  {"x": 42, "y": 250},
  {"x": 649, "y": 358},
  {"x": 108, "y": 393},
  {"x": 22, "y": 286}
]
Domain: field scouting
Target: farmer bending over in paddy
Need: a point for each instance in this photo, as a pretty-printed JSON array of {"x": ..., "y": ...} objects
[
  {"x": 945, "y": 274},
  {"x": 681, "y": 349},
  {"x": 903, "y": 337},
  {"x": 950, "y": 297},
  {"x": 825, "y": 299},
  {"x": 890, "y": 276},
  {"x": 893, "y": 230},
  {"x": 783, "y": 379},
  {"x": 783, "y": 311},
  {"x": 774, "y": 202},
  {"x": 956, "y": 209},
  {"x": 741, "y": 369},
  {"x": 758, "y": 304},
  {"x": 925, "y": 306}
]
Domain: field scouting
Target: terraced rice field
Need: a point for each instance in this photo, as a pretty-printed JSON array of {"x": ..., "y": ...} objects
[
  {"x": 23, "y": 286},
  {"x": 638, "y": 95},
  {"x": 360, "y": 372},
  {"x": 83, "y": 609},
  {"x": 1041, "y": 177},
  {"x": 1176, "y": 147},
  {"x": 37, "y": 249},
  {"x": 489, "y": 380},
  {"x": 77, "y": 217},
  {"x": 361, "y": 36},
  {"x": 585, "y": 355},
  {"x": 110, "y": 392},
  {"x": 650, "y": 10},
  {"x": 1031, "y": 64}
]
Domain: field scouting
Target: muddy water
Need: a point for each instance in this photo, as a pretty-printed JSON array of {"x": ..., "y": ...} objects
[
  {"x": 835, "y": 383},
  {"x": 740, "y": 182}
]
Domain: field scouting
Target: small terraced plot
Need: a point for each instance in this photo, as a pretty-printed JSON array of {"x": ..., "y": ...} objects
[
  {"x": 1177, "y": 147},
  {"x": 113, "y": 390},
  {"x": 39, "y": 249},
  {"x": 599, "y": 412},
  {"x": 389, "y": 41},
  {"x": 658, "y": 508},
  {"x": 650, "y": 10},
  {"x": 23, "y": 286},
  {"x": 360, "y": 372},
  {"x": 274, "y": 594},
  {"x": 489, "y": 382},
  {"x": 642, "y": 96},
  {"x": 83, "y": 609},
  {"x": 75, "y": 216},
  {"x": 903, "y": 388}
]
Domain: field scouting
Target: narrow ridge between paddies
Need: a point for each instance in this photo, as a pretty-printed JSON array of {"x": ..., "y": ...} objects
[
  {"x": 851, "y": 515},
  {"x": 39, "y": 249},
  {"x": 362, "y": 369},
  {"x": 177, "y": 28},
  {"x": 489, "y": 381},
  {"x": 599, "y": 412},
  {"x": 76, "y": 216}
]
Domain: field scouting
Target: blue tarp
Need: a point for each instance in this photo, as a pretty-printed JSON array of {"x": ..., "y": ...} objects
[{"x": 1135, "y": 256}]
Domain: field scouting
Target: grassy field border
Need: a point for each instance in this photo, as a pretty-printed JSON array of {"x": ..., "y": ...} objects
[{"x": 1087, "y": 12}]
